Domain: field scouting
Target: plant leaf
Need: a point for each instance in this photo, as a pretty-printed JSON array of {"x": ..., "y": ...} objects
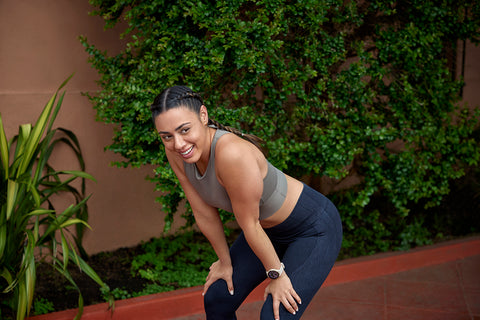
[
  {"x": 72, "y": 222},
  {"x": 30, "y": 270},
  {"x": 65, "y": 250},
  {"x": 90, "y": 272},
  {"x": 36, "y": 134},
  {"x": 38, "y": 212},
  {"x": 67, "y": 276},
  {"x": 3, "y": 149},
  {"x": 7, "y": 276},
  {"x": 22, "y": 300},
  {"x": 3, "y": 239},
  {"x": 80, "y": 174},
  {"x": 12, "y": 189}
]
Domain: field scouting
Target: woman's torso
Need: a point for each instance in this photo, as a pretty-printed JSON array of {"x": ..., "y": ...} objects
[{"x": 279, "y": 197}]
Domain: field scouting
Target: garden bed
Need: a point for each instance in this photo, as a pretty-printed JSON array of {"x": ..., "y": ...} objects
[{"x": 159, "y": 265}]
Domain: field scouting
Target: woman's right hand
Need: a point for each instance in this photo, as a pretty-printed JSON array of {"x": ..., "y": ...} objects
[
  {"x": 282, "y": 292},
  {"x": 219, "y": 270}
]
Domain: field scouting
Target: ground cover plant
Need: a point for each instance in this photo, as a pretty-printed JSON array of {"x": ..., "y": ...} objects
[{"x": 359, "y": 99}]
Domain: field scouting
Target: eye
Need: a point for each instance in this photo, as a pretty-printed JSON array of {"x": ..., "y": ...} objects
[
  {"x": 166, "y": 137},
  {"x": 185, "y": 130}
]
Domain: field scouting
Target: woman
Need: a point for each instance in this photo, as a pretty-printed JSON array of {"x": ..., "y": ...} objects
[{"x": 290, "y": 233}]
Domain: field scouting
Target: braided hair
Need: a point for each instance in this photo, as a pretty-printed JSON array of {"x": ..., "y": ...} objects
[{"x": 181, "y": 96}]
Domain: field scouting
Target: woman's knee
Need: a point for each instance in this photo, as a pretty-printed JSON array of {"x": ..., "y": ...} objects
[
  {"x": 218, "y": 301},
  {"x": 267, "y": 309}
]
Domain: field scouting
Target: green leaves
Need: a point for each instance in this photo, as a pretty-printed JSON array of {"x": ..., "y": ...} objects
[
  {"x": 28, "y": 219},
  {"x": 352, "y": 97},
  {"x": 174, "y": 262}
]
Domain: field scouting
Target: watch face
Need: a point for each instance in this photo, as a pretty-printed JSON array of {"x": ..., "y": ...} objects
[{"x": 273, "y": 274}]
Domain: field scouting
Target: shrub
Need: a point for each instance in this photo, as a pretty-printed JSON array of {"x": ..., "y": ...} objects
[
  {"x": 30, "y": 227},
  {"x": 337, "y": 89}
]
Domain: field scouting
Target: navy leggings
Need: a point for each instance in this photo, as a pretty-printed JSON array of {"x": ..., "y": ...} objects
[{"x": 307, "y": 243}]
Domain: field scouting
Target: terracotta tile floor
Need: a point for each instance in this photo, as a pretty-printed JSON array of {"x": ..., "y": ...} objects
[{"x": 449, "y": 290}]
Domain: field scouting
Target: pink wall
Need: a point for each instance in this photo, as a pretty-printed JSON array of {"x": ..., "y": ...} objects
[
  {"x": 39, "y": 48},
  {"x": 471, "y": 91}
]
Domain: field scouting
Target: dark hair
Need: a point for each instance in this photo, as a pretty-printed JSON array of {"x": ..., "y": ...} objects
[{"x": 181, "y": 96}]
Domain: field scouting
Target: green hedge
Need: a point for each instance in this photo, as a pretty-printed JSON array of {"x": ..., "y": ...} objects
[{"x": 337, "y": 89}]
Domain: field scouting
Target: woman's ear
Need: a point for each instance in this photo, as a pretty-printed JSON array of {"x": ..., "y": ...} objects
[{"x": 204, "y": 115}]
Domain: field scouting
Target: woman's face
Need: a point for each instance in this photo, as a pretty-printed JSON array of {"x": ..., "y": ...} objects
[{"x": 184, "y": 132}]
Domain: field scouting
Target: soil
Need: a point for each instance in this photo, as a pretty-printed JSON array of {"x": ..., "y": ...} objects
[{"x": 112, "y": 267}]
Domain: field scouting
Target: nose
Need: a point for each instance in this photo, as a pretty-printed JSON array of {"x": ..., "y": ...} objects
[{"x": 179, "y": 142}]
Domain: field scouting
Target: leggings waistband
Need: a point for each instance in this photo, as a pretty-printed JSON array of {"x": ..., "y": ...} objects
[{"x": 311, "y": 209}]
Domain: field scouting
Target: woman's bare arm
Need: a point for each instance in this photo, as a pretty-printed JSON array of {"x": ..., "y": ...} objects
[{"x": 206, "y": 216}]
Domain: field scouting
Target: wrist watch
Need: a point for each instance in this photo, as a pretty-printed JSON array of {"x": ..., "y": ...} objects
[{"x": 275, "y": 273}]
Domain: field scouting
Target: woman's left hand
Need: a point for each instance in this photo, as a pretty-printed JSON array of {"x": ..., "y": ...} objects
[
  {"x": 282, "y": 291},
  {"x": 219, "y": 270}
]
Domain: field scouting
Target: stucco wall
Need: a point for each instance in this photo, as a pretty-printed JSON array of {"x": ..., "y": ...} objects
[
  {"x": 39, "y": 48},
  {"x": 471, "y": 91}
]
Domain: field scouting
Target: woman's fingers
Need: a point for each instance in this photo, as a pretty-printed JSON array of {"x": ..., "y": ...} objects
[
  {"x": 206, "y": 285},
  {"x": 276, "y": 306},
  {"x": 217, "y": 271},
  {"x": 283, "y": 293},
  {"x": 290, "y": 304},
  {"x": 230, "y": 285},
  {"x": 289, "y": 301},
  {"x": 297, "y": 297}
]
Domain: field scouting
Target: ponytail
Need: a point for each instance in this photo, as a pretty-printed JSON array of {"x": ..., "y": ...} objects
[{"x": 256, "y": 141}]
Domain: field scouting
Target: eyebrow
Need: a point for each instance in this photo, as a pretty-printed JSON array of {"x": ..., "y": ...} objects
[{"x": 176, "y": 129}]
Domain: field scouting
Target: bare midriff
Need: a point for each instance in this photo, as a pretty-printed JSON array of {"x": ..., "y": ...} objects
[{"x": 294, "y": 190}]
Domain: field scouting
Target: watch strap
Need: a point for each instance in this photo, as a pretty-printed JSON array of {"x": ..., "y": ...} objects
[{"x": 276, "y": 273}]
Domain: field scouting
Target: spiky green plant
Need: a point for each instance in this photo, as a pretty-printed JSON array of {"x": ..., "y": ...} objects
[{"x": 28, "y": 219}]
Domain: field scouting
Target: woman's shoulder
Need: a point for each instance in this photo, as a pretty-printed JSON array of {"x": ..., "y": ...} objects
[
  {"x": 233, "y": 152},
  {"x": 232, "y": 146}
]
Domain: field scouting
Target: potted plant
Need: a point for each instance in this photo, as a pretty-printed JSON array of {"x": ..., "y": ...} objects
[{"x": 30, "y": 226}]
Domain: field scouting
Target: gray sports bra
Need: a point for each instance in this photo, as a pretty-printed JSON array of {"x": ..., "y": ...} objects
[{"x": 213, "y": 193}]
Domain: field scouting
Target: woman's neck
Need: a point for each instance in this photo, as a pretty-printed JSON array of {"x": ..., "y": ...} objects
[{"x": 202, "y": 163}]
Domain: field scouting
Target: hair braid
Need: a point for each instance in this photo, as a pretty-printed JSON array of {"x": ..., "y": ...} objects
[
  {"x": 190, "y": 95},
  {"x": 258, "y": 142}
]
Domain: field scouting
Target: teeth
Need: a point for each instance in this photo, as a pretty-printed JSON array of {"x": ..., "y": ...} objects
[{"x": 186, "y": 152}]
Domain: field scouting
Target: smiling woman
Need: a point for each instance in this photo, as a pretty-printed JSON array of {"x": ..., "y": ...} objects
[
  {"x": 184, "y": 132},
  {"x": 290, "y": 233}
]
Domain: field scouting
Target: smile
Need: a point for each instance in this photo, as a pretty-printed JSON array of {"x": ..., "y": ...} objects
[{"x": 187, "y": 152}]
